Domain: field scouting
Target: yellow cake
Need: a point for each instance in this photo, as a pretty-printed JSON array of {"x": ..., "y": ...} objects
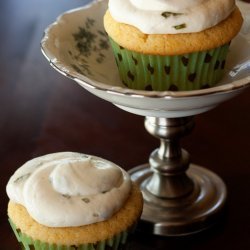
[
  {"x": 133, "y": 39},
  {"x": 181, "y": 48},
  {"x": 109, "y": 232}
]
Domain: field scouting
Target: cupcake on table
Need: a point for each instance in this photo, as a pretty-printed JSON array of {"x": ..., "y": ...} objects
[
  {"x": 171, "y": 44},
  {"x": 67, "y": 200}
]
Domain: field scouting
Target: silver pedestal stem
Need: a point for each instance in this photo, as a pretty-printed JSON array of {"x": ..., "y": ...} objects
[
  {"x": 169, "y": 163},
  {"x": 179, "y": 198}
]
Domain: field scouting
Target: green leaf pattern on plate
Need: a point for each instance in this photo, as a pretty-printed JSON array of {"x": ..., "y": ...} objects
[{"x": 89, "y": 42}]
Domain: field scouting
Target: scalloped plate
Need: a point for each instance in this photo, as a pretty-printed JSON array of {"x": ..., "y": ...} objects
[{"x": 77, "y": 46}]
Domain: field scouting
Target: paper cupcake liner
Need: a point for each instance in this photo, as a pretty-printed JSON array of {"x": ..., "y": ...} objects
[
  {"x": 118, "y": 242},
  {"x": 181, "y": 72}
]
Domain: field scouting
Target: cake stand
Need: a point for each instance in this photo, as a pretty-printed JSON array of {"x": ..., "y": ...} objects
[{"x": 179, "y": 197}]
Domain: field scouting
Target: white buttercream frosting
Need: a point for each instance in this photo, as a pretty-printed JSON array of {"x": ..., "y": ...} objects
[
  {"x": 171, "y": 16},
  {"x": 69, "y": 189}
]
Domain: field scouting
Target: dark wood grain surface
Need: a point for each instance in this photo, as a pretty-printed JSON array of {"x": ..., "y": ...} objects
[{"x": 41, "y": 112}]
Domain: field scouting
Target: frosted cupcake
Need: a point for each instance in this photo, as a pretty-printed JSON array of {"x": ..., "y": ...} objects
[
  {"x": 171, "y": 44},
  {"x": 72, "y": 201}
]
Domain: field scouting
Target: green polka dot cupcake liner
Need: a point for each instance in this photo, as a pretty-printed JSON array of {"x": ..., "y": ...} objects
[
  {"x": 190, "y": 71},
  {"x": 117, "y": 242}
]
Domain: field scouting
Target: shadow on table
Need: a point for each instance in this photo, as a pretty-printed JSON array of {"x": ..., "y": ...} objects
[{"x": 207, "y": 239}]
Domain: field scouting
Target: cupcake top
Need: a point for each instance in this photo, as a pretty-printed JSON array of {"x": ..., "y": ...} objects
[
  {"x": 171, "y": 16},
  {"x": 69, "y": 189}
]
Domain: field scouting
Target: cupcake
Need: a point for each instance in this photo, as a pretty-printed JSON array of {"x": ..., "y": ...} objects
[
  {"x": 171, "y": 44},
  {"x": 66, "y": 200}
]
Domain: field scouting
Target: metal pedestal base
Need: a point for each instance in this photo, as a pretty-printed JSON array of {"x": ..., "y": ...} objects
[{"x": 191, "y": 213}]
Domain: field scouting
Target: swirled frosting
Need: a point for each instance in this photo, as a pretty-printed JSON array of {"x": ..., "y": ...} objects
[
  {"x": 171, "y": 16},
  {"x": 69, "y": 189}
]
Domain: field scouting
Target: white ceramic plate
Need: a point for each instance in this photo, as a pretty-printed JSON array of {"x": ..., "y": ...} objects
[{"x": 77, "y": 46}]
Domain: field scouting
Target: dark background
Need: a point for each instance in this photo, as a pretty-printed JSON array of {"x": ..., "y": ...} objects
[{"x": 42, "y": 112}]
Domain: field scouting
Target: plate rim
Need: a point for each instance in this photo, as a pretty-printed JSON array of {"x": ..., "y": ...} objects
[{"x": 90, "y": 83}]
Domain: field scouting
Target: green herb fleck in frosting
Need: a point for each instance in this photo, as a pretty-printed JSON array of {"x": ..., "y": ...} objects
[
  {"x": 22, "y": 178},
  {"x": 86, "y": 200},
  {"x": 180, "y": 26},
  {"x": 66, "y": 196},
  {"x": 167, "y": 14}
]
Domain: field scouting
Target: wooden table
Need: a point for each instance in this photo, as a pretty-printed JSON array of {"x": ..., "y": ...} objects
[{"x": 42, "y": 111}]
